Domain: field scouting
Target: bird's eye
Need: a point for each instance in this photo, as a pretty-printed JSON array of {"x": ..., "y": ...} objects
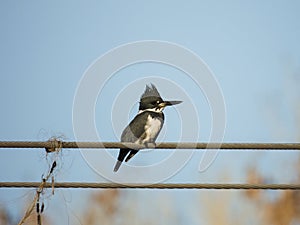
[{"x": 155, "y": 102}]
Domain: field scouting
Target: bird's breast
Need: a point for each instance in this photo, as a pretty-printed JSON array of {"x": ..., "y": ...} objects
[{"x": 152, "y": 127}]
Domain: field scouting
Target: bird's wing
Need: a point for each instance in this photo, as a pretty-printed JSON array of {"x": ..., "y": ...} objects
[{"x": 135, "y": 129}]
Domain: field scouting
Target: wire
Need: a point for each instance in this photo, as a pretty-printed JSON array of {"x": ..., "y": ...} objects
[
  {"x": 153, "y": 186},
  {"x": 52, "y": 144}
]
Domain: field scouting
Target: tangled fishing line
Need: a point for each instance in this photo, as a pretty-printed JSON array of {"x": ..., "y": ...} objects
[{"x": 54, "y": 150}]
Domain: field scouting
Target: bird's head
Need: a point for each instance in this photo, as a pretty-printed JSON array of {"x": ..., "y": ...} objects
[{"x": 151, "y": 100}]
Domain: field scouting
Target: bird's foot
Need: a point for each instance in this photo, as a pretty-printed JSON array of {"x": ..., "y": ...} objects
[{"x": 150, "y": 145}]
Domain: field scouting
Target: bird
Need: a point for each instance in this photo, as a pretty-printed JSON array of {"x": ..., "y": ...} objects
[{"x": 146, "y": 125}]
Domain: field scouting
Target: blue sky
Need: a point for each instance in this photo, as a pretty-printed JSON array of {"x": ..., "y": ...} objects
[{"x": 45, "y": 48}]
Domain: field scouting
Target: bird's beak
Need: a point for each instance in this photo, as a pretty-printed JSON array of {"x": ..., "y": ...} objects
[{"x": 168, "y": 103}]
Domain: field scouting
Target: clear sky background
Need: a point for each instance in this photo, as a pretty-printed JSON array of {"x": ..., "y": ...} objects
[{"x": 45, "y": 48}]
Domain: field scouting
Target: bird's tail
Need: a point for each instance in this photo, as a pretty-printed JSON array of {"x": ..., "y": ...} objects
[
  {"x": 117, "y": 166},
  {"x": 122, "y": 154}
]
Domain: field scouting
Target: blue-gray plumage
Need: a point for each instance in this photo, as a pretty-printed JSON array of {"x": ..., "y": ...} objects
[{"x": 146, "y": 125}]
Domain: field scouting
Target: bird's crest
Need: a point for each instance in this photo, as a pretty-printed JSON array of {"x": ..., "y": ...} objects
[{"x": 150, "y": 91}]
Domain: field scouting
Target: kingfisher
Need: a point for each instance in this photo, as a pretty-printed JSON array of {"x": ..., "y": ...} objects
[{"x": 146, "y": 125}]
